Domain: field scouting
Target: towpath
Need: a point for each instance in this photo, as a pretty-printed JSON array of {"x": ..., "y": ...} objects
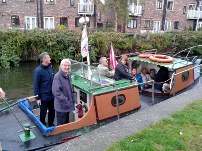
[{"x": 99, "y": 139}]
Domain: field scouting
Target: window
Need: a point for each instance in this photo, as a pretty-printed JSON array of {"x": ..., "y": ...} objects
[
  {"x": 156, "y": 26},
  {"x": 176, "y": 24},
  {"x": 71, "y": 2},
  {"x": 192, "y": 6},
  {"x": 185, "y": 76},
  {"x": 147, "y": 24},
  {"x": 108, "y": 24},
  {"x": 15, "y": 20},
  {"x": 48, "y": 1},
  {"x": 49, "y": 23},
  {"x": 132, "y": 23},
  {"x": 159, "y": 4},
  {"x": 184, "y": 9},
  {"x": 76, "y": 22},
  {"x": 170, "y": 5},
  {"x": 4, "y": 1},
  {"x": 30, "y": 22},
  {"x": 121, "y": 100},
  {"x": 167, "y": 25},
  {"x": 29, "y": 0},
  {"x": 63, "y": 21}
]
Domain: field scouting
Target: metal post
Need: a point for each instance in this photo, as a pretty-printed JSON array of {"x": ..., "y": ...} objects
[
  {"x": 153, "y": 92},
  {"x": 117, "y": 103}
]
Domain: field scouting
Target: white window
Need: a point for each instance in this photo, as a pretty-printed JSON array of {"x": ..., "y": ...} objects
[
  {"x": 132, "y": 23},
  {"x": 199, "y": 24},
  {"x": 49, "y": 23},
  {"x": 170, "y": 5},
  {"x": 167, "y": 25},
  {"x": 156, "y": 26},
  {"x": 159, "y": 4},
  {"x": 30, "y": 22},
  {"x": 4, "y": 1}
]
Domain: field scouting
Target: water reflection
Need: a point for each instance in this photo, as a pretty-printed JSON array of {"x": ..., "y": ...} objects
[{"x": 17, "y": 82}]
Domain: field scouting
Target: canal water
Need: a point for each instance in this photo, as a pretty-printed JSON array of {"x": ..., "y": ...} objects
[{"x": 17, "y": 82}]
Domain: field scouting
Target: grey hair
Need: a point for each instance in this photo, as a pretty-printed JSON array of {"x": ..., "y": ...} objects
[
  {"x": 42, "y": 55},
  {"x": 101, "y": 59},
  {"x": 65, "y": 60}
]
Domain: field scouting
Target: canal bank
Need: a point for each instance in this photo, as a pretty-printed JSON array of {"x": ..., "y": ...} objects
[{"x": 101, "y": 138}]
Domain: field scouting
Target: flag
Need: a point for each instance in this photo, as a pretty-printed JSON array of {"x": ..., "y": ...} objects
[
  {"x": 113, "y": 62},
  {"x": 84, "y": 43}
]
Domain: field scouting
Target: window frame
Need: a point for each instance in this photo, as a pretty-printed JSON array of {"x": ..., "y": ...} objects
[
  {"x": 15, "y": 20},
  {"x": 176, "y": 24},
  {"x": 49, "y": 19},
  {"x": 30, "y": 17},
  {"x": 159, "y": 4},
  {"x": 72, "y": 2},
  {"x": 159, "y": 24},
  {"x": 62, "y": 22},
  {"x": 3, "y": 1},
  {"x": 132, "y": 23},
  {"x": 147, "y": 22},
  {"x": 167, "y": 25},
  {"x": 170, "y": 7}
]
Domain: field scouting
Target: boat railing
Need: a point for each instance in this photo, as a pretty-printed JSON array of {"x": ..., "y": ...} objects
[
  {"x": 188, "y": 51},
  {"x": 151, "y": 51}
]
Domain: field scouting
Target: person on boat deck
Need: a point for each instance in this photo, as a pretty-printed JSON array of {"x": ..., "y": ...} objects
[
  {"x": 161, "y": 77},
  {"x": 63, "y": 92},
  {"x": 2, "y": 94},
  {"x": 122, "y": 69},
  {"x": 43, "y": 79},
  {"x": 145, "y": 77},
  {"x": 152, "y": 73},
  {"x": 103, "y": 68},
  {"x": 138, "y": 77}
]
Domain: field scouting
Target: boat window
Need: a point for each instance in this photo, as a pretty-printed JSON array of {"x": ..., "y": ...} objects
[
  {"x": 185, "y": 76},
  {"x": 121, "y": 100}
]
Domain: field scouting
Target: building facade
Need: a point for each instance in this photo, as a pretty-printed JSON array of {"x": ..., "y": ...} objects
[{"x": 144, "y": 16}]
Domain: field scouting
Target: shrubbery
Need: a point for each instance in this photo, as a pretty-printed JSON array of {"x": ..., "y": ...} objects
[{"x": 23, "y": 45}]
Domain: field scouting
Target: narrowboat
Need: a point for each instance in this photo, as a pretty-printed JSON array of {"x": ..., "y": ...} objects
[{"x": 97, "y": 98}]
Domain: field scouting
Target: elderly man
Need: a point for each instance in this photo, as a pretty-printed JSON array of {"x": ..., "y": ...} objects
[
  {"x": 103, "y": 68},
  {"x": 43, "y": 79},
  {"x": 63, "y": 92},
  {"x": 2, "y": 94}
]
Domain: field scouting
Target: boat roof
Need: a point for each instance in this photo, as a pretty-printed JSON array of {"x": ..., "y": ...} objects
[{"x": 177, "y": 62}]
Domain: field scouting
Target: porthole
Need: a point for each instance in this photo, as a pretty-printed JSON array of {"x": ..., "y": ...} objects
[
  {"x": 121, "y": 100},
  {"x": 185, "y": 76}
]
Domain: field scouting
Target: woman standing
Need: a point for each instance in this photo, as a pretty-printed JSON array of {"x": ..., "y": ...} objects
[{"x": 122, "y": 69}]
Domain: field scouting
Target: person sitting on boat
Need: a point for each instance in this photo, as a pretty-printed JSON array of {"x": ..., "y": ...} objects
[
  {"x": 138, "y": 77},
  {"x": 122, "y": 69},
  {"x": 161, "y": 77},
  {"x": 2, "y": 94},
  {"x": 43, "y": 79},
  {"x": 63, "y": 92},
  {"x": 103, "y": 68},
  {"x": 145, "y": 78},
  {"x": 152, "y": 73}
]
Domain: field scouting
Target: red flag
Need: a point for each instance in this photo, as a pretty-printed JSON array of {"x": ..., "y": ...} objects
[{"x": 113, "y": 61}]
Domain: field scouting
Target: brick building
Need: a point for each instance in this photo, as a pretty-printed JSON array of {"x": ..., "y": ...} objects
[{"x": 145, "y": 15}]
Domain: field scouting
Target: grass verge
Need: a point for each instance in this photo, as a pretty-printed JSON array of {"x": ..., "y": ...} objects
[{"x": 182, "y": 131}]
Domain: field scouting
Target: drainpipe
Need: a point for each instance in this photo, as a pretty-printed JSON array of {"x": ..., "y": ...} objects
[
  {"x": 37, "y": 12},
  {"x": 164, "y": 15},
  {"x": 95, "y": 16},
  {"x": 41, "y": 13}
]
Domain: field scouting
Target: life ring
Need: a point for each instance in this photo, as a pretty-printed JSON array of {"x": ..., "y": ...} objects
[
  {"x": 161, "y": 58},
  {"x": 144, "y": 55}
]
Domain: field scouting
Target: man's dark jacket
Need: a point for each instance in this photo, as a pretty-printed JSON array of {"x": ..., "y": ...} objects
[{"x": 43, "y": 79}]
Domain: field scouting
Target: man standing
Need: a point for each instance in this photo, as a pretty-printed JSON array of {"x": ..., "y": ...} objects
[
  {"x": 43, "y": 78},
  {"x": 103, "y": 68},
  {"x": 63, "y": 93},
  {"x": 2, "y": 94}
]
